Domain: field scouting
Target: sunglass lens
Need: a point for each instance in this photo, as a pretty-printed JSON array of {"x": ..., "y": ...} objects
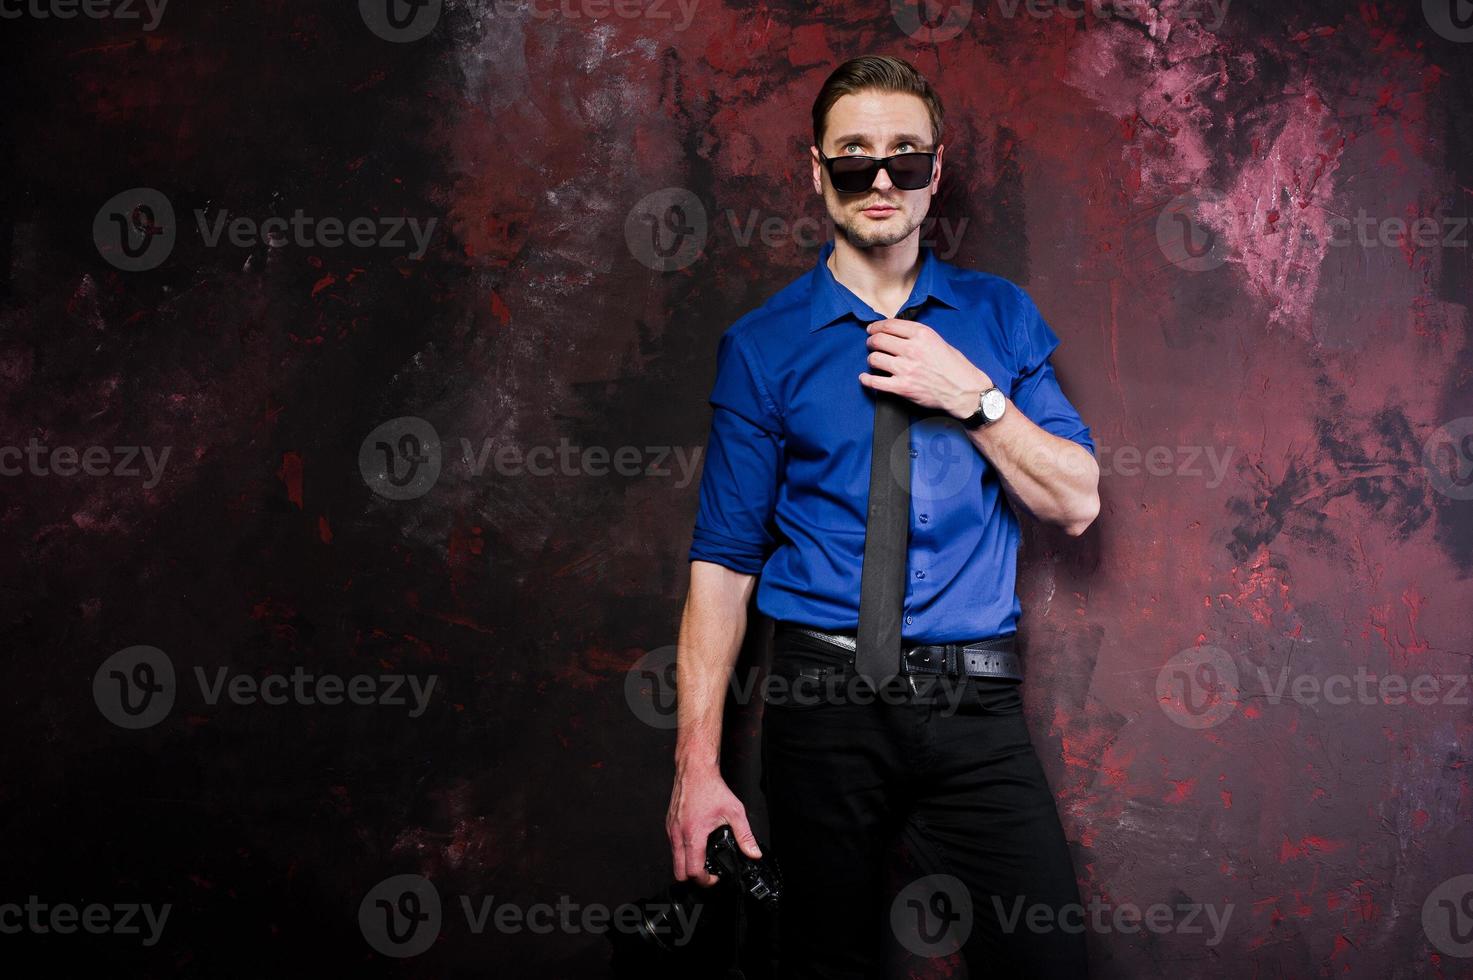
[
  {"x": 852, "y": 175},
  {"x": 910, "y": 171}
]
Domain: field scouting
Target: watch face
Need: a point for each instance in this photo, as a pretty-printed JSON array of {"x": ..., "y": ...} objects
[{"x": 993, "y": 404}]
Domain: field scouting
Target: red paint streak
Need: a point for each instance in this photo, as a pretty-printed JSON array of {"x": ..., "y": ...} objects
[
  {"x": 1289, "y": 851},
  {"x": 1182, "y": 790},
  {"x": 324, "y": 530},
  {"x": 270, "y": 608},
  {"x": 499, "y": 309},
  {"x": 290, "y": 474}
]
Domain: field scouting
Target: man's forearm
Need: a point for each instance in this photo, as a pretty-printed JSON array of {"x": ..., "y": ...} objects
[
  {"x": 711, "y": 632},
  {"x": 1055, "y": 480}
]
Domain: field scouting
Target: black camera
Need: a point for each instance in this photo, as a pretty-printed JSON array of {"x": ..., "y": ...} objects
[{"x": 727, "y": 931}]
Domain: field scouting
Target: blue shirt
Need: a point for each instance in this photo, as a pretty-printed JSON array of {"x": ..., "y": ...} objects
[{"x": 786, "y": 481}]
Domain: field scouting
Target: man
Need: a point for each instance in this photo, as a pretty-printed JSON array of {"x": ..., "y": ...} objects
[{"x": 862, "y": 464}]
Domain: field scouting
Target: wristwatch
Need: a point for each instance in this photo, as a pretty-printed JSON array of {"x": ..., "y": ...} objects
[{"x": 990, "y": 406}]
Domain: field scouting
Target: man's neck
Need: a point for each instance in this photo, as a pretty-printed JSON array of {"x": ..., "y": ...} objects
[{"x": 882, "y": 276}]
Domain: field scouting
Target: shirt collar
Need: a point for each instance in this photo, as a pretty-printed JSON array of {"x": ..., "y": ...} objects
[{"x": 829, "y": 301}]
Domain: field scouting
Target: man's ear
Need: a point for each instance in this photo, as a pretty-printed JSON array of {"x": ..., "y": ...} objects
[{"x": 817, "y": 170}]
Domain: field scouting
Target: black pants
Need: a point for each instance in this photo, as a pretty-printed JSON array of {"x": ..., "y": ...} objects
[{"x": 952, "y": 789}]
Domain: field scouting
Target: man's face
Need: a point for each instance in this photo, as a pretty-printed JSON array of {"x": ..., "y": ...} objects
[{"x": 876, "y": 124}]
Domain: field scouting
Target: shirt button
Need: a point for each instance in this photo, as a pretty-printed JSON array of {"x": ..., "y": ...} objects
[
  {"x": 924, "y": 518},
  {"x": 914, "y": 453},
  {"x": 908, "y": 620},
  {"x": 920, "y": 574}
]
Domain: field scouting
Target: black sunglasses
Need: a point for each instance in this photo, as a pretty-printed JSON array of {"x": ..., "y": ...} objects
[{"x": 855, "y": 174}]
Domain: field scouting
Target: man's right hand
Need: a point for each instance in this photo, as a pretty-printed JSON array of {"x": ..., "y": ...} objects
[{"x": 699, "y": 803}]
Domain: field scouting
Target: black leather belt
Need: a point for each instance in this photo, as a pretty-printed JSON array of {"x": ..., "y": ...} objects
[{"x": 995, "y": 657}]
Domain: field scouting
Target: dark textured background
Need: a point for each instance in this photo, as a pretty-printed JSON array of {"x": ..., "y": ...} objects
[{"x": 1323, "y": 370}]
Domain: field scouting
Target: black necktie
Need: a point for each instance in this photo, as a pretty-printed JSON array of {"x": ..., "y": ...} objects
[{"x": 886, "y": 538}]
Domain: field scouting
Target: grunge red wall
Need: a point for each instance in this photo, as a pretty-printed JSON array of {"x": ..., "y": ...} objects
[{"x": 1249, "y": 225}]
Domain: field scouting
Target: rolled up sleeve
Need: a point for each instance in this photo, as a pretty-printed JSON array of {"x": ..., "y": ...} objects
[
  {"x": 1036, "y": 390},
  {"x": 739, "y": 482}
]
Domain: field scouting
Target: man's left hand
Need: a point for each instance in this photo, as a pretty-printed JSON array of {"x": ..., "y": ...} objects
[{"x": 923, "y": 368}]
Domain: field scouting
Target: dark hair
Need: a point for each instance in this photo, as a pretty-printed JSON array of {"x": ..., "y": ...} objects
[{"x": 871, "y": 72}]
